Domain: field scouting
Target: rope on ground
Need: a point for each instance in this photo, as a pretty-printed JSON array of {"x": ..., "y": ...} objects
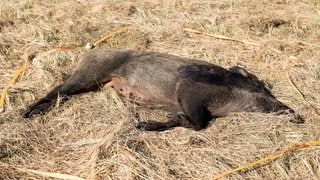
[
  {"x": 46, "y": 53},
  {"x": 268, "y": 158}
]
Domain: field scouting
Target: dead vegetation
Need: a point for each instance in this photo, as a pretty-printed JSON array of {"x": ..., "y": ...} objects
[{"x": 92, "y": 136}]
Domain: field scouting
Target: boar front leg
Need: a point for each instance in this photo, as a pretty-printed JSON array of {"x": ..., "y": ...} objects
[{"x": 71, "y": 87}]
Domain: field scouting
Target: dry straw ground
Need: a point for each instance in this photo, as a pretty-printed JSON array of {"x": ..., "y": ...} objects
[{"x": 92, "y": 135}]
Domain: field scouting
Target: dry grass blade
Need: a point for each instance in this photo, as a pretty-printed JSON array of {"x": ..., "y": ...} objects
[
  {"x": 268, "y": 158},
  {"x": 251, "y": 43},
  {"x": 48, "y": 174},
  {"x": 45, "y": 174},
  {"x": 12, "y": 81},
  {"x": 123, "y": 29},
  {"x": 289, "y": 65},
  {"x": 222, "y": 37},
  {"x": 214, "y": 35}
]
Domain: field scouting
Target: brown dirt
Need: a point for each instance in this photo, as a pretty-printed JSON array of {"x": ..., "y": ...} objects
[{"x": 92, "y": 135}]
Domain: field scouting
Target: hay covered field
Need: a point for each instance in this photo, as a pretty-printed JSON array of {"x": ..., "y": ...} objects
[{"x": 92, "y": 135}]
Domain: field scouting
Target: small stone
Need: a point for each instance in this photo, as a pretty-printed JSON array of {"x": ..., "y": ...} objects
[{"x": 89, "y": 46}]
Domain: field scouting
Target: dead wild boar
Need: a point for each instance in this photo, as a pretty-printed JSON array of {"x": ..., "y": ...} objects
[{"x": 195, "y": 92}]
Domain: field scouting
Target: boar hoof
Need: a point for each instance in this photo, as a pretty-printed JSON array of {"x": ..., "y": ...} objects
[{"x": 297, "y": 119}]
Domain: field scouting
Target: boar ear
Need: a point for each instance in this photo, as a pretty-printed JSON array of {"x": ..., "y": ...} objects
[{"x": 239, "y": 70}]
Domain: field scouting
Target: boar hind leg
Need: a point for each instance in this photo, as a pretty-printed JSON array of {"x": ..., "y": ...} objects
[
  {"x": 194, "y": 108},
  {"x": 198, "y": 117},
  {"x": 71, "y": 87},
  {"x": 174, "y": 120},
  {"x": 195, "y": 118}
]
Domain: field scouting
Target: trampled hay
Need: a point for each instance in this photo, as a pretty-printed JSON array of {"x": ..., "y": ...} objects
[{"x": 92, "y": 135}]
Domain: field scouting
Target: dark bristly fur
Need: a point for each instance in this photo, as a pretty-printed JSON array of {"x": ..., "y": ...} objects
[{"x": 194, "y": 91}]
